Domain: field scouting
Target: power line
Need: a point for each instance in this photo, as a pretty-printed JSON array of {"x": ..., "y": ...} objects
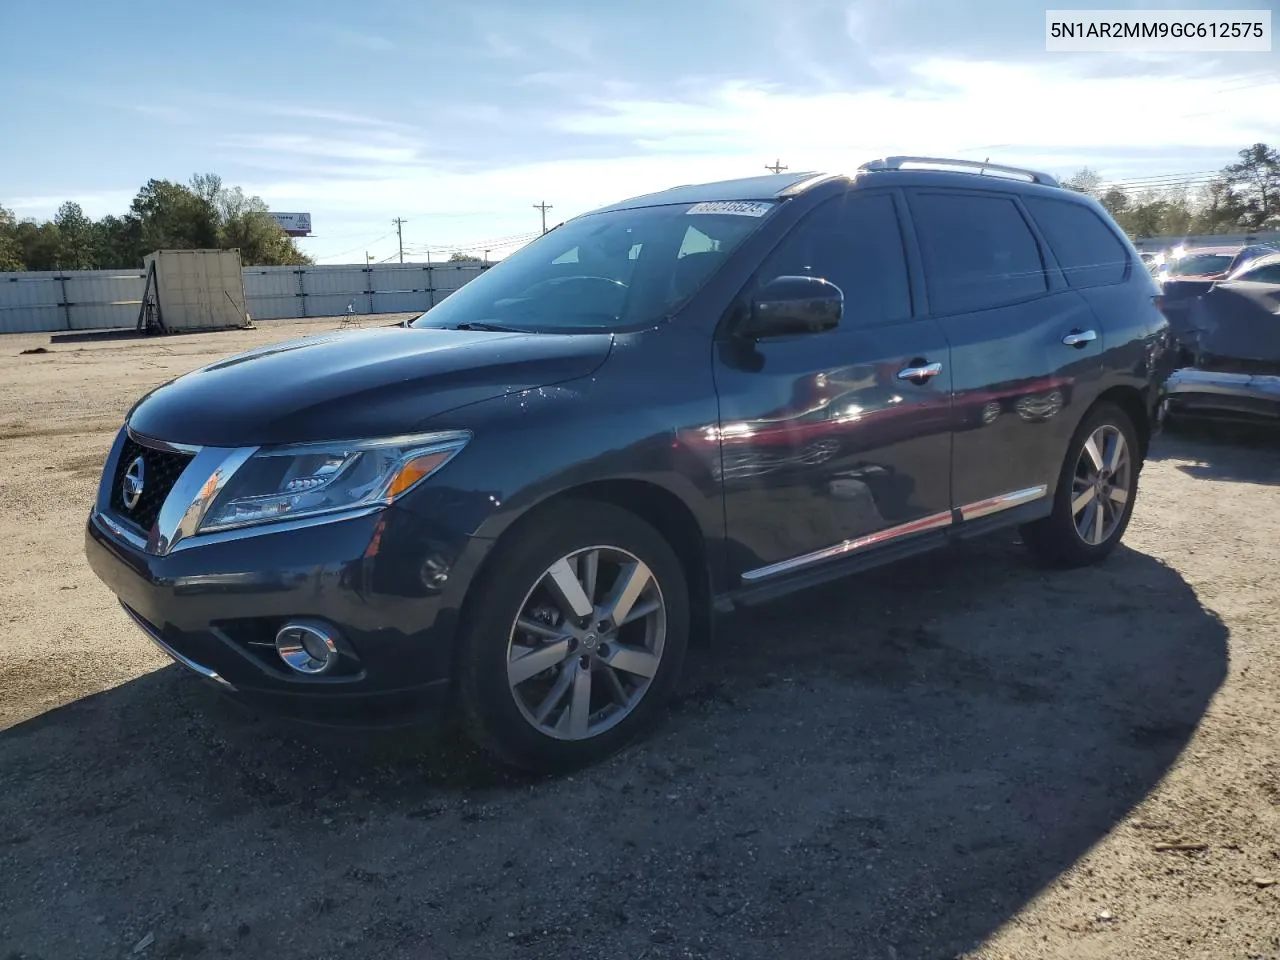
[
  {"x": 492, "y": 243},
  {"x": 544, "y": 207},
  {"x": 1168, "y": 176},
  {"x": 367, "y": 243}
]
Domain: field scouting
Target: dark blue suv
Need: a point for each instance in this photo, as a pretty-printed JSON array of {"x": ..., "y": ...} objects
[{"x": 523, "y": 504}]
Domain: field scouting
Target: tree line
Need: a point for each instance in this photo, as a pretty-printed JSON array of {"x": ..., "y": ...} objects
[
  {"x": 1243, "y": 197},
  {"x": 201, "y": 214}
]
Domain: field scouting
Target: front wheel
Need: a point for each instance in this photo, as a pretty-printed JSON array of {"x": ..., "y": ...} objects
[
  {"x": 1097, "y": 489},
  {"x": 575, "y": 639}
]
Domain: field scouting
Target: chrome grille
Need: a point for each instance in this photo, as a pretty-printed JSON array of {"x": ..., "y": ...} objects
[{"x": 161, "y": 469}]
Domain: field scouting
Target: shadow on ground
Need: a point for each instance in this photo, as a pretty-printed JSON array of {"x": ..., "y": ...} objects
[
  {"x": 892, "y": 765},
  {"x": 1221, "y": 451}
]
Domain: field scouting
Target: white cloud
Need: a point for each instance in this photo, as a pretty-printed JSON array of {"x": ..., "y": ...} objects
[
  {"x": 353, "y": 168},
  {"x": 94, "y": 203},
  {"x": 319, "y": 114},
  {"x": 372, "y": 150},
  {"x": 943, "y": 105},
  {"x": 1045, "y": 116}
]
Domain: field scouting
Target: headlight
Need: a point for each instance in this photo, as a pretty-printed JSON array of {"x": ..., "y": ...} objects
[{"x": 282, "y": 483}]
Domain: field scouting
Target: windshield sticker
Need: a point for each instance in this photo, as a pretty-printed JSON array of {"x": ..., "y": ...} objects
[{"x": 737, "y": 208}]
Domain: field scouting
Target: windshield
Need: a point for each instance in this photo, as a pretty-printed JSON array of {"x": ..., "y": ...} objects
[
  {"x": 1199, "y": 264},
  {"x": 623, "y": 269}
]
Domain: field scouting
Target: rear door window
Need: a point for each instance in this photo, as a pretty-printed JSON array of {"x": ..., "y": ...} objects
[
  {"x": 978, "y": 251},
  {"x": 1089, "y": 252}
]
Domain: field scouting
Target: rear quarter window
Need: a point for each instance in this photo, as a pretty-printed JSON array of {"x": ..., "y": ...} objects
[{"x": 1089, "y": 252}]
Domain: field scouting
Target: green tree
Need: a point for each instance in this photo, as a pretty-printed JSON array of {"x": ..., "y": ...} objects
[
  {"x": 246, "y": 223},
  {"x": 1219, "y": 210},
  {"x": 10, "y": 257},
  {"x": 76, "y": 234},
  {"x": 1116, "y": 201},
  {"x": 118, "y": 241},
  {"x": 461, "y": 257},
  {"x": 207, "y": 186},
  {"x": 39, "y": 245},
  {"x": 1084, "y": 180},
  {"x": 174, "y": 217},
  {"x": 1255, "y": 179}
]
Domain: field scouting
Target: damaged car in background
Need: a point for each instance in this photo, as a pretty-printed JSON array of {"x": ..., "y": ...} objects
[
  {"x": 1185, "y": 274},
  {"x": 1231, "y": 342}
]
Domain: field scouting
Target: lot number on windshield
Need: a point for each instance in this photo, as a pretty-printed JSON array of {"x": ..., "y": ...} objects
[{"x": 738, "y": 208}]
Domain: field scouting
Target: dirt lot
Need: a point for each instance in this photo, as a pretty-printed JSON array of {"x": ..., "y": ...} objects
[{"x": 989, "y": 767}]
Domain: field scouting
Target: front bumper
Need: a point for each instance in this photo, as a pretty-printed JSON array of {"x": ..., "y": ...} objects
[
  {"x": 1237, "y": 396},
  {"x": 389, "y": 589}
]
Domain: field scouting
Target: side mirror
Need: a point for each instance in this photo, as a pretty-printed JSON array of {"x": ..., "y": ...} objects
[{"x": 788, "y": 306}]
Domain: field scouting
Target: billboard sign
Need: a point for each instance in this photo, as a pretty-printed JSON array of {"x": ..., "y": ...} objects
[{"x": 294, "y": 224}]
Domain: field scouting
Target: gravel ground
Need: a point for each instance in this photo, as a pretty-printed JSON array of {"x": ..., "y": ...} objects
[{"x": 958, "y": 756}]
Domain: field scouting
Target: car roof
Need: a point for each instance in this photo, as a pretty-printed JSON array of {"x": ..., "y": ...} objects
[
  {"x": 781, "y": 186},
  {"x": 1265, "y": 260},
  {"x": 1213, "y": 251},
  {"x": 773, "y": 187}
]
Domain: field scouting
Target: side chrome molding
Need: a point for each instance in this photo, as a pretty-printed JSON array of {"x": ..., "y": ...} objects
[
  {"x": 1006, "y": 501},
  {"x": 937, "y": 521}
]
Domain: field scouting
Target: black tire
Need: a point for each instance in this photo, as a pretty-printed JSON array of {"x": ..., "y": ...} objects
[
  {"x": 488, "y": 705},
  {"x": 1055, "y": 540}
]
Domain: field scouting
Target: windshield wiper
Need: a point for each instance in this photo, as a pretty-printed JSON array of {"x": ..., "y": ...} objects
[{"x": 491, "y": 327}]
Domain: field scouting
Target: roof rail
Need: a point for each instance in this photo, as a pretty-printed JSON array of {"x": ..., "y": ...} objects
[{"x": 897, "y": 163}]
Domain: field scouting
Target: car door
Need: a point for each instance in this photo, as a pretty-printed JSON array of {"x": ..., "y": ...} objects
[
  {"x": 1025, "y": 348},
  {"x": 836, "y": 441}
]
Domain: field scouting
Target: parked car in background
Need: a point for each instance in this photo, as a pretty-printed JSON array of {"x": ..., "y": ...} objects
[
  {"x": 522, "y": 505},
  {"x": 1263, "y": 267},
  {"x": 1231, "y": 349},
  {"x": 1185, "y": 274}
]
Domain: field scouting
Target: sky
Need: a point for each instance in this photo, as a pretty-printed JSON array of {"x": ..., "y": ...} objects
[{"x": 459, "y": 117}]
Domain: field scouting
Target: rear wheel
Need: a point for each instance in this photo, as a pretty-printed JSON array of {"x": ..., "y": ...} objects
[
  {"x": 1097, "y": 489},
  {"x": 575, "y": 640}
]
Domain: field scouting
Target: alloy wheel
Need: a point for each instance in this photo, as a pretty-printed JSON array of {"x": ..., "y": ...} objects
[
  {"x": 1101, "y": 486},
  {"x": 587, "y": 643}
]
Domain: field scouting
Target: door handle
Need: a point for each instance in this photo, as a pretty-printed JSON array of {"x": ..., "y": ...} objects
[
  {"x": 919, "y": 374},
  {"x": 1078, "y": 338}
]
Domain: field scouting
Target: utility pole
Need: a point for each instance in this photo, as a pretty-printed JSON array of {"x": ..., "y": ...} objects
[
  {"x": 776, "y": 166},
  {"x": 400, "y": 234},
  {"x": 544, "y": 207}
]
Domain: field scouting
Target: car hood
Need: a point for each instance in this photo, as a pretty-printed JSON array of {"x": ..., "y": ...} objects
[{"x": 379, "y": 382}]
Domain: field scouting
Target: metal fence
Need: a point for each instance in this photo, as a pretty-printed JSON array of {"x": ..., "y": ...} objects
[
  {"x": 1156, "y": 244},
  {"x": 54, "y": 301}
]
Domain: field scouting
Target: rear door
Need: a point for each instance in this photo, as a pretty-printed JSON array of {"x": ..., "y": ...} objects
[
  {"x": 1025, "y": 348},
  {"x": 825, "y": 448}
]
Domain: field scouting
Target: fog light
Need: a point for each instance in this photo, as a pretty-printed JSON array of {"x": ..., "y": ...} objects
[{"x": 307, "y": 647}]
